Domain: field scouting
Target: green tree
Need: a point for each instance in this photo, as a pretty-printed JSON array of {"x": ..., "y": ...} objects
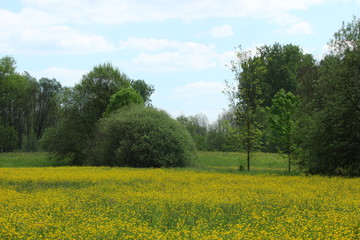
[
  {"x": 283, "y": 64},
  {"x": 17, "y": 101},
  {"x": 282, "y": 123},
  {"x": 123, "y": 98},
  {"x": 333, "y": 145},
  {"x": 139, "y": 136},
  {"x": 248, "y": 71},
  {"x": 8, "y": 139},
  {"x": 197, "y": 125},
  {"x": 223, "y": 134},
  {"x": 48, "y": 104},
  {"x": 145, "y": 90},
  {"x": 82, "y": 107}
]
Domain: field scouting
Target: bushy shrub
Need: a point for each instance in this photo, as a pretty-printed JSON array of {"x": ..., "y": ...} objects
[{"x": 139, "y": 136}]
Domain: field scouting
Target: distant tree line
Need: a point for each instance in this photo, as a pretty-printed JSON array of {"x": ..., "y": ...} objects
[{"x": 284, "y": 100}]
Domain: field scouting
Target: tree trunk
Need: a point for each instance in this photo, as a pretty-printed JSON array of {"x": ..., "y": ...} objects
[
  {"x": 289, "y": 161},
  {"x": 248, "y": 160}
]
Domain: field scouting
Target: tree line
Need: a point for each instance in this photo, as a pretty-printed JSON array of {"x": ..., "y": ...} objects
[
  {"x": 284, "y": 100},
  {"x": 29, "y": 106},
  {"x": 281, "y": 100}
]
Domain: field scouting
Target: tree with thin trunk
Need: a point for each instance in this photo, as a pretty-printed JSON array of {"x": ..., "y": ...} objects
[
  {"x": 248, "y": 73},
  {"x": 282, "y": 123}
]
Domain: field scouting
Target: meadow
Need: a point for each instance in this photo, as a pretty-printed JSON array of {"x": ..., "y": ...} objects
[{"x": 210, "y": 200}]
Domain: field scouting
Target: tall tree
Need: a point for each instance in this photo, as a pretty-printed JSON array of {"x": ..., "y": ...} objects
[
  {"x": 17, "y": 99},
  {"x": 48, "y": 103},
  {"x": 282, "y": 123},
  {"x": 334, "y": 140},
  {"x": 284, "y": 64},
  {"x": 248, "y": 71}
]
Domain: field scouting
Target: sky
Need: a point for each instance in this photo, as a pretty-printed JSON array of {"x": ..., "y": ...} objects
[{"x": 181, "y": 47}]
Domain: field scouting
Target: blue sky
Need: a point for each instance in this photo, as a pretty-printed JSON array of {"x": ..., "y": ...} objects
[{"x": 180, "y": 47}]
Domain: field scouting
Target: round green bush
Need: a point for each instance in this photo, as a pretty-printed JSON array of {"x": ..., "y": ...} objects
[{"x": 139, "y": 136}]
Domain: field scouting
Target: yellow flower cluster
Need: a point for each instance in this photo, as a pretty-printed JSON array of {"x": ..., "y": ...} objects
[{"x": 122, "y": 203}]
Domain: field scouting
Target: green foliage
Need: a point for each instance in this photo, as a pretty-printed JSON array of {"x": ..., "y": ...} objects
[
  {"x": 248, "y": 74},
  {"x": 197, "y": 126},
  {"x": 333, "y": 143},
  {"x": 346, "y": 39},
  {"x": 144, "y": 90},
  {"x": 27, "y": 105},
  {"x": 283, "y": 64},
  {"x": 141, "y": 137},
  {"x": 123, "y": 98},
  {"x": 8, "y": 139},
  {"x": 83, "y": 106},
  {"x": 65, "y": 141},
  {"x": 221, "y": 135},
  {"x": 48, "y": 105},
  {"x": 282, "y": 123}
]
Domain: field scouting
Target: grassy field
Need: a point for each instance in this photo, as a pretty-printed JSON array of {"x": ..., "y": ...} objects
[
  {"x": 214, "y": 161},
  {"x": 260, "y": 162},
  {"x": 21, "y": 159},
  {"x": 211, "y": 200}
]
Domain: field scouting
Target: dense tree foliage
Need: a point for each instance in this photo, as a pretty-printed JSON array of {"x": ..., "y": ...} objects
[
  {"x": 282, "y": 123},
  {"x": 138, "y": 136},
  {"x": 197, "y": 126},
  {"x": 145, "y": 90},
  {"x": 217, "y": 136},
  {"x": 27, "y": 107},
  {"x": 123, "y": 98},
  {"x": 327, "y": 109},
  {"x": 83, "y": 106},
  {"x": 333, "y": 143}
]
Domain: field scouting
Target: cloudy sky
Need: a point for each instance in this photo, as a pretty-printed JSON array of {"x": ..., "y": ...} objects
[{"x": 179, "y": 46}]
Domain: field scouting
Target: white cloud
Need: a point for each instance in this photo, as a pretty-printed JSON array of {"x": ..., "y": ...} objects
[
  {"x": 35, "y": 31},
  {"x": 222, "y": 31},
  {"x": 199, "y": 90},
  {"x": 149, "y": 44},
  {"x": 119, "y": 11},
  {"x": 53, "y": 40},
  {"x": 299, "y": 28},
  {"x": 173, "y": 61},
  {"x": 66, "y": 76},
  {"x": 54, "y": 26},
  {"x": 167, "y": 55},
  {"x": 74, "y": 41}
]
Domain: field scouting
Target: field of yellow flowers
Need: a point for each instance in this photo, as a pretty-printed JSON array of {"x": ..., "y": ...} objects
[{"x": 122, "y": 203}]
